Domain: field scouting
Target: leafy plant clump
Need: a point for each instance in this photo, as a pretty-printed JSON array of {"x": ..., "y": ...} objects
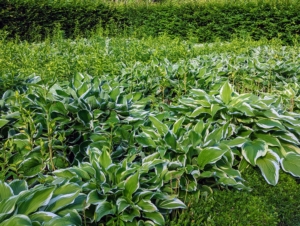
[{"x": 97, "y": 150}]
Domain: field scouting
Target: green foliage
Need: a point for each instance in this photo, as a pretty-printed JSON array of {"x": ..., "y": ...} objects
[{"x": 206, "y": 22}]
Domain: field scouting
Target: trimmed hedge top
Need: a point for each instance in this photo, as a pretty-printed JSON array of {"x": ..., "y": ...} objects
[{"x": 205, "y": 22}]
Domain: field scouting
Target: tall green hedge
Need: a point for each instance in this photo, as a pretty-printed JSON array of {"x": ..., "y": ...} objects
[{"x": 205, "y": 22}]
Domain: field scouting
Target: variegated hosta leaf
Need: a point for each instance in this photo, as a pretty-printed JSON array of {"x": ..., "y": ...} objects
[
  {"x": 290, "y": 164},
  {"x": 269, "y": 167},
  {"x": 226, "y": 92},
  {"x": 210, "y": 155},
  {"x": 252, "y": 150}
]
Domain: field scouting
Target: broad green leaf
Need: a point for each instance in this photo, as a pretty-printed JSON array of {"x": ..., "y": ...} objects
[
  {"x": 252, "y": 150},
  {"x": 199, "y": 127},
  {"x": 287, "y": 136},
  {"x": 177, "y": 125},
  {"x": 42, "y": 216},
  {"x": 94, "y": 198},
  {"x": 146, "y": 206},
  {"x": 214, "y": 109},
  {"x": 290, "y": 164},
  {"x": 269, "y": 139},
  {"x": 6, "y": 191},
  {"x": 104, "y": 208},
  {"x": 85, "y": 116},
  {"x": 270, "y": 123},
  {"x": 7, "y": 206},
  {"x": 161, "y": 128},
  {"x": 269, "y": 167},
  {"x": 3, "y": 122},
  {"x": 33, "y": 202},
  {"x": 236, "y": 142},
  {"x": 129, "y": 215},
  {"x": 122, "y": 204},
  {"x": 145, "y": 141},
  {"x": 200, "y": 110},
  {"x": 209, "y": 155},
  {"x": 131, "y": 185},
  {"x": 156, "y": 217},
  {"x": 105, "y": 159},
  {"x": 17, "y": 220},
  {"x": 171, "y": 140},
  {"x": 226, "y": 92},
  {"x": 31, "y": 166},
  {"x": 58, "y": 107},
  {"x": 61, "y": 201},
  {"x": 171, "y": 204},
  {"x": 229, "y": 181},
  {"x": 113, "y": 118}
]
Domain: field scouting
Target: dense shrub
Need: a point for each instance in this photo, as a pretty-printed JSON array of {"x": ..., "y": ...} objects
[{"x": 206, "y": 22}]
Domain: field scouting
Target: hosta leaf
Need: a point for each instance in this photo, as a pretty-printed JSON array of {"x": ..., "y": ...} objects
[
  {"x": 177, "y": 125},
  {"x": 156, "y": 217},
  {"x": 17, "y": 220},
  {"x": 104, "y": 208},
  {"x": 7, "y": 206},
  {"x": 146, "y": 206},
  {"x": 61, "y": 201},
  {"x": 42, "y": 216},
  {"x": 269, "y": 167},
  {"x": 145, "y": 141},
  {"x": 287, "y": 136},
  {"x": 128, "y": 216},
  {"x": 31, "y": 166},
  {"x": 290, "y": 164},
  {"x": 58, "y": 107},
  {"x": 171, "y": 204},
  {"x": 105, "y": 159},
  {"x": 6, "y": 191},
  {"x": 85, "y": 116},
  {"x": 3, "y": 122},
  {"x": 214, "y": 109},
  {"x": 94, "y": 198},
  {"x": 226, "y": 92},
  {"x": 270, "y": 123},
  {"x": 269, "y": 139},
  {"x": 113, "y": 118},
  {"x": 252, "y": 150},
  {"x": 122, "y": 204},
  {"x": 236, "y": 142},
  {"x": 33, "y": 202},
  {"x": 171, "y": 140},
  {"x": 209, "y": 155},
  {"x": 131, "y": 185},
  {"x": 161, "y": 128},
  {"x": 200, "y": 110}
]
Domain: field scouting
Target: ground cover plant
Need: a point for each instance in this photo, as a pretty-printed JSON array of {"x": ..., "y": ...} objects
[{"x": 115, "y": 131}]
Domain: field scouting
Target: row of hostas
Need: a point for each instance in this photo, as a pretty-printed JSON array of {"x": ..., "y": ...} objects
[{"x": 96, "y": 151}]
